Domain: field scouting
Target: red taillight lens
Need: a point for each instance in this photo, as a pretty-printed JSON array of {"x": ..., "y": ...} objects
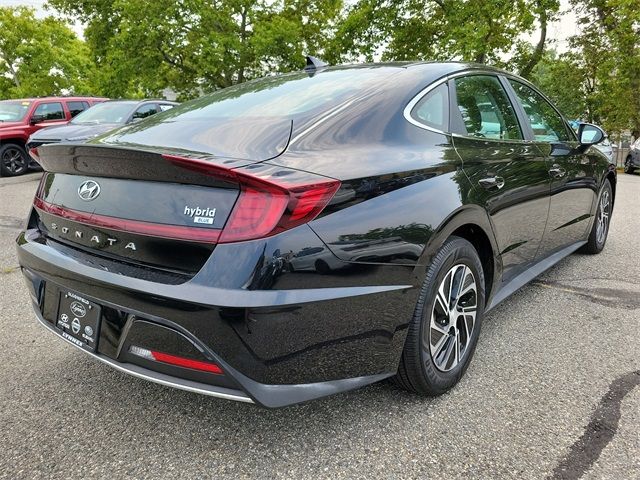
[
  {"x": 34, "y": 153},
  {"x": 255, "y": 214},
  {"x": 266, "y": 205},
  {"x": 175, "y": 360}
]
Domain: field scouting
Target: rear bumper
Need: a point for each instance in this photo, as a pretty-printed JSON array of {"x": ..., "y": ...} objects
[{"x": 275, "y": 346}]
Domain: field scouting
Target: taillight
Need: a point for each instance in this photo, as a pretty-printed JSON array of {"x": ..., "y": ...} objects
[
  {"x": 34, "y": 154},
  {"x": 268, "y": 204}
]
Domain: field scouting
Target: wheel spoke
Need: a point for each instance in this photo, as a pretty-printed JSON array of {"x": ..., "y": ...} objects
[
  {"x": 456, "y": 350},
  {"x": 437, "y": 348},
  {"x": 445, "y": 361},
  {"x": 441, "y": 299},
  {"x": 461, "y": 278}
]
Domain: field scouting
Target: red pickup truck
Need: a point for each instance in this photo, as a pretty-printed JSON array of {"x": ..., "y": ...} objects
[{"x": 20, "y": 118}]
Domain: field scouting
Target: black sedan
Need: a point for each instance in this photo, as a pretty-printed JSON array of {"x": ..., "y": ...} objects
[{"x": 310, "y": 233}]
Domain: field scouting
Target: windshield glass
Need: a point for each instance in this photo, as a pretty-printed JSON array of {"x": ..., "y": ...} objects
[
  {"x": 12, "y": 111},
  {"x": 106, "y": 112}
]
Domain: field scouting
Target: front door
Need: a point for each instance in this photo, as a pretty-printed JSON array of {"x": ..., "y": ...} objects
[
  {"x": 509, "y": 174},
  {"x": 572, "y": 171}
]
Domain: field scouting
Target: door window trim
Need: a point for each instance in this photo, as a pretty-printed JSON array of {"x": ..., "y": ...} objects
[
  {"x": 510, "y": 89},
  {"x": 62, "y": 107},
  {"x": 452, "y": 99}
]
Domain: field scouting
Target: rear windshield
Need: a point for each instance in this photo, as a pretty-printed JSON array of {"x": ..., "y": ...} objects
[
  {"x": 106, "y": 112},
  {"x": 282, "y": 96},
  {"x": 13, "y": 111}
]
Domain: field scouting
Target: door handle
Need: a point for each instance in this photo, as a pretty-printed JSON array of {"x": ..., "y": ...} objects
[
  {"x": 557, "y": 171},
  {"x": 492, "y": 182}
]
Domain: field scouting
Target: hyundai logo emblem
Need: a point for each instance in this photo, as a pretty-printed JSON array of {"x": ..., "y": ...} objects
[{"x": 89, "y": 190}]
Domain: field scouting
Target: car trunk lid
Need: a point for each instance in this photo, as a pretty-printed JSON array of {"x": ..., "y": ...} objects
[{"x": 168, "y": 210}]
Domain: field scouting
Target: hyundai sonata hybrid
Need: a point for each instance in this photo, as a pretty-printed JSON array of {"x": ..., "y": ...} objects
[{"x": 310, "y": 233}]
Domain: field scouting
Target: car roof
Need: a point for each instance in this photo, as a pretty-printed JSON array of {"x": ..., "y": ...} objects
[
  {"x": 141, "y": 102},
  {"x": 45, "y": 99}
]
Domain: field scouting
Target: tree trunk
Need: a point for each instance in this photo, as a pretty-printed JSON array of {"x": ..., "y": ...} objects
[{"x": 539, "y": 50}]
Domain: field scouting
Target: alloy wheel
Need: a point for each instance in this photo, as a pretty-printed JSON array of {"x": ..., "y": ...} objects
[
  {"x": 13, "y": 160},
  {"x": 453, "y": 318},
  {"x": 602, "y": 226},
  {"x": 627, "y": 166}
]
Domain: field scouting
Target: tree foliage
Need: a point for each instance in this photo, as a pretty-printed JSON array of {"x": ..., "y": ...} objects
[
  {"x": 610, "y": 45},
  {"x": 598, "y": 79},
  {"x": 137, "y": 48},
  {"x": 484, "y": 31},
  {"x": 40, "y": 56},
  {"x": 197, "y": 45}
]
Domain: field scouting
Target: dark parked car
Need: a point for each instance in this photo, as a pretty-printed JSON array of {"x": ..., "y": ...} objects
[
  {"x": 97, "y": 120},
  {"x": 633, "y": 158},
  {"x": 21, "y": 118},
  {"x": 168, "y": 249}
]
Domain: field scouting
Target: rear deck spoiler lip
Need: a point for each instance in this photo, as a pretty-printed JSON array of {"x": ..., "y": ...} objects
[{"x": 128, "y": 162}]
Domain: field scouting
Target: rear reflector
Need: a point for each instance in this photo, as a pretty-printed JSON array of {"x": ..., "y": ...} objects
[
  {"x": 174, "y": 360},
  {"x": 266, "y": 205}
]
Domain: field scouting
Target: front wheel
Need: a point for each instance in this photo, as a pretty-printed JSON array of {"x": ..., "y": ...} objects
[
  {"x": 600, "y": 229},
  {"x": 13, "y": 160},
  {"x": 446, "y": 324},
  {"x": 628, "y": 166}
]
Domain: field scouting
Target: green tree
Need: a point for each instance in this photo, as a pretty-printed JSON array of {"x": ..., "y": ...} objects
[
  {"x": 140, "y": 47},
  {"x": 569, "y": 82},
  {"x": 609, "y": 47},
  {"x": 40, "y": 56},
  {"x": 484, "y": 31}
]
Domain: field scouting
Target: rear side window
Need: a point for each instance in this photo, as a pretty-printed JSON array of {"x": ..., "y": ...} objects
[
  {"x": 485, "y": 108},
  {"x": 146, "y": 111},
  {"x": 77, "y": 107},
  {"x": 49, "y": 111},
  {"x": 433, "y": 109},
  {"x": 547, "y": 124},
  {"x": 164, "y": 107}
]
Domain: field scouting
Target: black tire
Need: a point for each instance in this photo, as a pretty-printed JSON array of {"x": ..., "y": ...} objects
[
  {"x": 418, "y": 371},
  {"x": 597, "y": 240},
  {"x": 628, "y": 165},
  {"x": 13, "y": 160},
  {"x": 322, "y": 267}
]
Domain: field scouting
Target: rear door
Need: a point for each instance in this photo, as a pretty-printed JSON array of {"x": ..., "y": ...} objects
[
  {"x": 76, "y": 106},
  {"x": 509, "y": 174},
  {"x": 572, "y": 172}
]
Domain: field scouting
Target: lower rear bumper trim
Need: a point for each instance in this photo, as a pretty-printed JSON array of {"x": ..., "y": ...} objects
[{"x": 155, "y": 377}]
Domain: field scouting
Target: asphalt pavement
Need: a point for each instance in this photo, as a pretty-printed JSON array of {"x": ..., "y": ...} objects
[{"x": 551, "y": 393}]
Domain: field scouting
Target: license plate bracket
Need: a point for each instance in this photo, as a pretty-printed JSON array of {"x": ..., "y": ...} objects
[{"x": 79, "y": 319}]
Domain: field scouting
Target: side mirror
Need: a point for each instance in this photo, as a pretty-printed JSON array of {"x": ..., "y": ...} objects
[
  {"x": 590, "y": 134},
  {"x": 36, "y": 119}
]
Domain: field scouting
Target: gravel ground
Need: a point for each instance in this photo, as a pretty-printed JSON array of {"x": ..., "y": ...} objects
[{"x": 551, "y": 392}]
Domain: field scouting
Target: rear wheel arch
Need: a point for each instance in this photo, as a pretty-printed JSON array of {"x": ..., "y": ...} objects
[
  {"x": 471, "y": 223},
  {"x": 15, "y": 140},
  {"x": 477, "y": 237}
]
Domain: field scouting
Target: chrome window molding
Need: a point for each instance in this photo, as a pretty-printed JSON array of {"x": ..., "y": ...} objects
[{"x": 412, "y": 103}]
